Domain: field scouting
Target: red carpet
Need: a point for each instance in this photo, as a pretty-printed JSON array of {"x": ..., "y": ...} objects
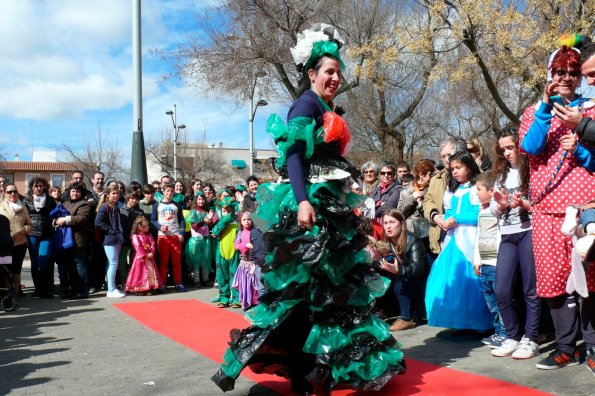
[{"x": 205, "y": 329}]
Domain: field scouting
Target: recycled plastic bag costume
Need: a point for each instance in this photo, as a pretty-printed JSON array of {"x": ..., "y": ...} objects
[{"x": 315, "y": 320}]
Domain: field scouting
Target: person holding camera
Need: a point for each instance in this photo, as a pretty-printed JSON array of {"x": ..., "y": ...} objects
[{"x": 404, "y": 260}]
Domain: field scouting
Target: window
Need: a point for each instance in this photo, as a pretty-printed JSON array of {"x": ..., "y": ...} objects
[
  {"x": 8, "y": 178},
  {"x": 28, "y": 177},
  {"x": 57, "y": 181}
]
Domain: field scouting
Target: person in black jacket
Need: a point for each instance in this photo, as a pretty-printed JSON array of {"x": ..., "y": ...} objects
[
  {"x": 40, "y": 238},
  {"x": 404, "y": 257}
]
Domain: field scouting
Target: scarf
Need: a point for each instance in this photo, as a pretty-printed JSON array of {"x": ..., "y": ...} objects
[
  {"x": 385, "y": 186},
  {"x": 39, "y": 202},
  {"x": 16, "y": 206}
]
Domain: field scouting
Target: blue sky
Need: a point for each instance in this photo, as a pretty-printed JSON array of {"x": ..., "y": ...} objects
[{"x": 66, "y": 71}]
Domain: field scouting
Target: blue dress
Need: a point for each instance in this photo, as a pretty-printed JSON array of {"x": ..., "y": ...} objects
[{"x": 454, "y": 296}]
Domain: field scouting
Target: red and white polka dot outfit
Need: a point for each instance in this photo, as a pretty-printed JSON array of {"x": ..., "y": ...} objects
[{"x": 573, "y": 185}]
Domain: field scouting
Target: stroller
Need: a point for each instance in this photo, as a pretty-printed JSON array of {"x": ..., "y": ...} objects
[{"x": 8, "y": 295}]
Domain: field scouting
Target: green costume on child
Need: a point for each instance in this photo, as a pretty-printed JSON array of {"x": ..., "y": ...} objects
[{"x": 227, "y": 258}]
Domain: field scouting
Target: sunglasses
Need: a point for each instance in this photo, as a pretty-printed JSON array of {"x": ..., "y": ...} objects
[
  {"x": 369, "y": 171},
  {"x": 386, "y": 173},
  {"x": 564, "y": 73},
  {"x": 12, "y": 192}
]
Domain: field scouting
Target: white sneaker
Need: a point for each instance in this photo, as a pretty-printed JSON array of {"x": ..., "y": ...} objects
[
  {"x": 584, "y": 244},
  {"x": 508, "y": 347},
  {"x": 115, "y": 294},
  {"x": 526, "y": 349},
  {"x": 571, "y": 221}
]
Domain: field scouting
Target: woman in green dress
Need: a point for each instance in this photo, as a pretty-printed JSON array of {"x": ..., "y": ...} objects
[{"x": 314, "y": 324}]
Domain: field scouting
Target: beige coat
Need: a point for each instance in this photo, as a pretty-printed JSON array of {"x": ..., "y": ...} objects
[
  {"x": 20, "y": 223},
  {"x": 433, "y": 201}
]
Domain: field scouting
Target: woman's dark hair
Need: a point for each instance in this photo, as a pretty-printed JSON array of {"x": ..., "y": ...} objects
[
  {"x": 76, "y": 186},
  {"x": 134, "y": 186},
  {"x": 38, "y": 179},
  {"x": 465, "y": 158},
  {"x": 304, "y": 81},
  {"x": 252, "y": 178},
  {"x": 183, "y": 185},
  {"x": 502, "y": 166}
]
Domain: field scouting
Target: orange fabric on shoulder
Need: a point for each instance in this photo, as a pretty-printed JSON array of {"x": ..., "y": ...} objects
[{"x": 335, "y": 128}]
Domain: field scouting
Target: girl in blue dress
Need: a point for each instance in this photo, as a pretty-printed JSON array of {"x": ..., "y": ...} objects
[{"x": 454, "y": 297}]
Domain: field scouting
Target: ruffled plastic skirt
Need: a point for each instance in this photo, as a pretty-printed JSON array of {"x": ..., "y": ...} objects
[{"x": 315, "y": 323}]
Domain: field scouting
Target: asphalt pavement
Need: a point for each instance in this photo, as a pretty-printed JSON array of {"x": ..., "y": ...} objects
[{"x": 89, "y": 347}]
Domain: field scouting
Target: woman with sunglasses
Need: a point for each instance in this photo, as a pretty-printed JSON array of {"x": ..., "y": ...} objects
[
  {"x": 20, "y": 226},
  {"x": 385, "y": 195},
  {"x": 556, "y": 180},
  {"x": 475, "y": 148}
]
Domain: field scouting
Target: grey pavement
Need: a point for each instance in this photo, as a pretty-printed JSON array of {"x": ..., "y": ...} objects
[{"x": 88, "y": 347}]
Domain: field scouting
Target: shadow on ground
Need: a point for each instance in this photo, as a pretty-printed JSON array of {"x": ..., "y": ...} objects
[{"x": 22, "y": 334}]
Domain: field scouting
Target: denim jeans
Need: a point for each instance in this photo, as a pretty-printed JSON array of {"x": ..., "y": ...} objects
[
  {"x": 42, "y": 271},
  {"x": 488, "y": 283},
  {"x": 112, "y": 253},
  {"x": 72, "y": 265},
  {"x": 407, "y": 291}
]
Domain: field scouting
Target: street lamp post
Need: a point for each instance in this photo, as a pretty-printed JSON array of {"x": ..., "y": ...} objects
[
  {"x": 177, "y": 128},
  {"x": 252, "y": 110}
]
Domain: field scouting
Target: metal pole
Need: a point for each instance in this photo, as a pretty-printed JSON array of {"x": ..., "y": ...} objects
[
  {"x": 138, "y": 166},
  {"x": 251, "y": 132},
  {"x": 176, "y": 130}
]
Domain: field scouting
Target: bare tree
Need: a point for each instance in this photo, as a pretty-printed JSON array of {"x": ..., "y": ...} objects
[
  {"x": 98, "y": 154},
  {"x": 193, "y": 160}
]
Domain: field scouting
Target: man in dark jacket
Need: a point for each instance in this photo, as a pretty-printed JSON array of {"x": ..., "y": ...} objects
[{"x": 74, "y": 260}]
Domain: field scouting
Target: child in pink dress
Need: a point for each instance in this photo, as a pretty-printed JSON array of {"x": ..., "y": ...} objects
[{"x": 143, "y": 276}]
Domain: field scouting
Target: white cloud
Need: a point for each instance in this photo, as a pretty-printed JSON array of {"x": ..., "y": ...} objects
[{"x": 66, "y": 69}]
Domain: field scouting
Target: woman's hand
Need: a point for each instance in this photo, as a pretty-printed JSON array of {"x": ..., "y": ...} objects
[
  {"x": 249, "y": 245},
  {"x": 516, "y": 201},
  {"x": 551, "y": 89},
  {"x": 393, "y": 268},
  {"x": 570, "y": 116},
  {"x": 306, "y": 215},
  {"x": 476, "y": 270},
  {"x": 568, "y": 143},
  {"x": 501, "y": 198}
]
